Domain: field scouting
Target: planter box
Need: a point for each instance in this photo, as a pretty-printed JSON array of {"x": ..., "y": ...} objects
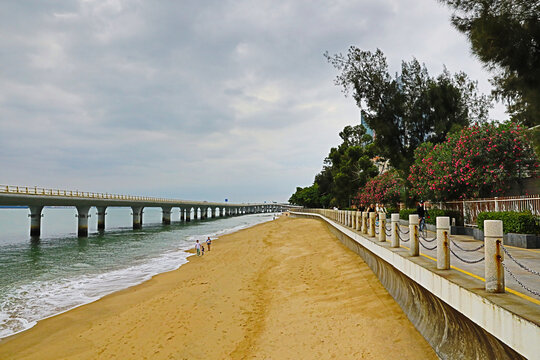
[{"x": 527, "y": 241}]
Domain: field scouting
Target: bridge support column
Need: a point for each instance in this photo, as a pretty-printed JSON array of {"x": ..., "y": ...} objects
[
  {"x": 395, "y": 228},
  {"x": 204, "y": 213},
  {"x": 137, "y": 217},
  {"x": 443, "y": 246},
  {"x": 166, "y": 215},
  {"x": 182, "y": 215},
  {"x": 101, "y": 211},
  {"x": 494, "y": 256},
  {"x": 413, "y": 235},
  {"x": 188, "y": 215},
  {"x": 35, "y": 220},
  {"x": 382, "y": 226},
  {"x": 195, "y": 213},
  {"x": 82, "y": 214}
]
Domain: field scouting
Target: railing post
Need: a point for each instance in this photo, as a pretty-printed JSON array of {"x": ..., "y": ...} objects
[
  {"x": 394, "y": 218},
  {"x": 443, "y": 243},
  {"x": 382, "y": 226},
  {"x": 371, "y": 228},
  {"x": 364, "y": 222},
  {"x": 494, "y": 271},
  {"x": 413, "y": 235},
  {"x": 358, "y": 220}
]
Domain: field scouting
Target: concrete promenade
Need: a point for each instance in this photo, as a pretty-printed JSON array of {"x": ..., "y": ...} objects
[
  {"x": 37, "y": 198},
  {"x": 513, "y": 317}
]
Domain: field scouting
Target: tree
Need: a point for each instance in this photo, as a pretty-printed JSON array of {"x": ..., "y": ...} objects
[
  {"x": 505, "y": 35},
  {"x": 307, "y": 197},
  {"x": 385, "y": 188},
  {"x": 347, "y": 167},
  {"x": 478, "y": 161},
  {"x": 406, "y": 110}
]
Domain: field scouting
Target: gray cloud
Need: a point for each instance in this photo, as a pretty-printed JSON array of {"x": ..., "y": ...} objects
[{"x": 193, "y": 99}]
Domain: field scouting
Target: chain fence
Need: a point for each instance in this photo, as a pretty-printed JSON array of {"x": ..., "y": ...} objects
[
  {"x": 518, "y": 263},
  {"x": 427, "y": 247},
  {"x": 427, "y": 239},
  {"x": 466, "y": 260},
  {"x": 402, "y": 239},
  {"x": 532, "y": 291},
  {"x": 466, "y": 250}
]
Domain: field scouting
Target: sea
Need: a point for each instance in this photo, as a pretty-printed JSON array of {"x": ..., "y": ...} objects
[{"x": 45, "y": 277}]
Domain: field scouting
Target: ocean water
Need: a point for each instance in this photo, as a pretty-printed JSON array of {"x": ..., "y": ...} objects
[{"x": 42, "y": 278}]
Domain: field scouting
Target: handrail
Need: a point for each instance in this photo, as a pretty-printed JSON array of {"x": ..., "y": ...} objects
[{"x": 34, "y": 190}]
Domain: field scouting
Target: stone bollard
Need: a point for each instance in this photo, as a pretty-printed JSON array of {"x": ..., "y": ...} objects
[
  {"x": 414, "y": 250},
  {"x": 382, "y": 226},
  {"x": 371, "y": 227},
  {"x": 364, "y": 222},
  {"x": 349, "y": 218},
  {"x": 443, "y": 243},
  {"x": 358, "y": 222},
  {"x": 394, "y": 218},
  {"x": 494, "y": 271}
]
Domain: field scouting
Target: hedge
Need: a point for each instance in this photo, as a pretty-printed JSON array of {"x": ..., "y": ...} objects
[
  {"x": 513, "y": 221},
  {"x": 432, "y": 215}
]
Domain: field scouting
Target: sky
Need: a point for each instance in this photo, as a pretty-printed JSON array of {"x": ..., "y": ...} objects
[{"x": 199, "y": 100}]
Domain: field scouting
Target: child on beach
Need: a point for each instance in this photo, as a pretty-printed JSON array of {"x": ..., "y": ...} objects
[
  {"x": 202, "y": 248},
  {"x": 198, "y": 248},
  {"x": 208, "y": 242}
]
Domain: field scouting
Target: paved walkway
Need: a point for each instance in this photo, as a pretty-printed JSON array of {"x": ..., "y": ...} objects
[{"x": 529, "y": 258}]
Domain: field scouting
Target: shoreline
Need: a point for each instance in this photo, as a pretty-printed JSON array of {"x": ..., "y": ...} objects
[
  {"x": 233, "y": 302},
  {"x": 216, "y": 235}
]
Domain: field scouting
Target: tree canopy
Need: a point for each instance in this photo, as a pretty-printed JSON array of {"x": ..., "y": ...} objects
[
  {"x": 409, "y": 108},
  {"x": 346, "y": 168},
  {"x": 505, "y": 35}
]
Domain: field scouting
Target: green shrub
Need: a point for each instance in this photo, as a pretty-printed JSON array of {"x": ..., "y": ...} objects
[
  {"x": 404, "y": 213},
  {"x": 513, "y": 221},
  {"x": 392, "y": 210}
]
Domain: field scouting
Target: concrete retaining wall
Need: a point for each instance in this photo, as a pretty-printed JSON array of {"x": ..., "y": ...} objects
[{"x": 457, "y": 322}]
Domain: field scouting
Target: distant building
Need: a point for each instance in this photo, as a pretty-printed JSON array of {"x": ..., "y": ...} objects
[{"x": 363, "y": 123}]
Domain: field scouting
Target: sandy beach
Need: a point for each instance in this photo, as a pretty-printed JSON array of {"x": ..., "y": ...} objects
[{"x": 286, "y": 289}]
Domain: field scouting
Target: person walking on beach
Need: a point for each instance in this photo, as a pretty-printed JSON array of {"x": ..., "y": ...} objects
[
  {"x": 208, "y": 242},
  {"x": 198, "y": 248}
]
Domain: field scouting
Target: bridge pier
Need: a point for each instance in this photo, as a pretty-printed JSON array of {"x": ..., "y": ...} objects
[
  {"x": 204, "y": 213},
  {"x": 195, "y": 213},
  {"x": 82, "y": 214},
  {"x": 182, "y": 215},
  {"x": 35, "y": 220},
  {"x": 166, "y": 216},
  {"x": 213, "y": 212},
  {"x": 137, "y": 217},
  {"x": 101, "y": 217},
  {"x": 188, "y": 215}
]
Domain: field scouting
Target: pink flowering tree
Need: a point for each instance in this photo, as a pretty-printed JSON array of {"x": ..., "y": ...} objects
[
  {"x": 385, "y": 188},
  {"x": 479, "y": 161}
]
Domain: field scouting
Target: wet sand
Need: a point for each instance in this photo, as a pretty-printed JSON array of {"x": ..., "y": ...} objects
[{"x": 287, "y": 289}]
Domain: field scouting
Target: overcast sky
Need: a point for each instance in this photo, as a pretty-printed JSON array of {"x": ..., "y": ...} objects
[{"x": 202, "y": 100}]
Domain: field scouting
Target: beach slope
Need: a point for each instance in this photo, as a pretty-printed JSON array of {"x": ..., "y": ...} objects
[{"x": 286, "y": 289}]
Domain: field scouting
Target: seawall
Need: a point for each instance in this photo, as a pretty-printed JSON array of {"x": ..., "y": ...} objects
[{"x": 451, "y": 310}]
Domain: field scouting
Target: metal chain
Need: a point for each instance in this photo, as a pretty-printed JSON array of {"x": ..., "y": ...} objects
[
  {"x": 466, "y": 250},
  {"x": 427, "y": 240},
  {"x": 388, "y": 233},
  {"x": 428, "y": 248},
  {"x": 389, "y": 228},
  {"x": 403, "y": 232},
  {"x": 519, "y": 264},
  {"x": 465, "y": 260},
  {"x": 402, "y": 239},
  {"x": 519, "y": 282}
]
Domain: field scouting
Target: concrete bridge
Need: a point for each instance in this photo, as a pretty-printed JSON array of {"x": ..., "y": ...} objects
[{"x": 37, "y": 198}]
